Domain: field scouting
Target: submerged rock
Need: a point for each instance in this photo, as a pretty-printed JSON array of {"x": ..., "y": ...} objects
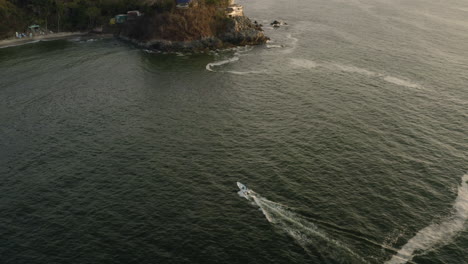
[{"x": 277, "y": 24}]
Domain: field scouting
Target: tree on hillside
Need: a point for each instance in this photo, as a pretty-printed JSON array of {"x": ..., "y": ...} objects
[
  {"x": 44, "y": 8},
  {"x": 93, "y": 13},
  {"x": 59, "y": 10}
]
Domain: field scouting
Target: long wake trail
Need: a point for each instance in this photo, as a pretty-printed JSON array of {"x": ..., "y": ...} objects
[
  {"x": 437, "y": 235},
  {"x": 312, "y": 239}
]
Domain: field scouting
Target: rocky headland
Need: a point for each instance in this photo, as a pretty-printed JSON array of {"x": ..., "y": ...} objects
[
  {"x": 160, "y": 25},
  {"x": 192, "y": 29}
]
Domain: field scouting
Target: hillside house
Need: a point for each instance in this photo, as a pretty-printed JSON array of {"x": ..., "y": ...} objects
[
  {"x": 235, "y": 11},
  {"x": 120, "y": 19},
  {"x": 132, "y": 15},
  {"x": 183, "y": 4}
]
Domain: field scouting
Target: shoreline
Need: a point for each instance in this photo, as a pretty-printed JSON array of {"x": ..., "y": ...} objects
[
  {"x": 6, "y": 43},
  {"x": 239, "y": 31}
]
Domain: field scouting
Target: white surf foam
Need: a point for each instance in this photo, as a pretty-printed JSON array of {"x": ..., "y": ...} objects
[
  {"x": 239, "y": 51},
  {"x": 211, "y": 65},
  {"x": 274, "y": 46},
  {"x": 437, "y": 235},
  {"x": 246, "y": 72},
  {"x": 305, "y": 233},
  {"x": 244, "y": 49}
]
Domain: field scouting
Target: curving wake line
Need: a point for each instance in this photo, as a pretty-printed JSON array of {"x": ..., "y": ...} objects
[
  {"x": 437, "y": 235},
  {"x": 293, "y": 44},
  {"x": 338, "y": 67},
  {"x": 239, "y": 51},
  {"x": 313, "y": 240},
  {"x": 209, "y": 66}
]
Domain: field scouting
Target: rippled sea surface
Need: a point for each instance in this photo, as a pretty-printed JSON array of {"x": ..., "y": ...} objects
[{"x": 350, "y": 127}]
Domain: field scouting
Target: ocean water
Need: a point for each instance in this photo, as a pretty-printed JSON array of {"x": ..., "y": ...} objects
[{"x": 350, "y": 127}]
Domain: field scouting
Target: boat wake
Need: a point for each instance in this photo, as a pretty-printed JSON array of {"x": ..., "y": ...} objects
[
  {"x": 292, "y": 46},
  {"x": 312, "y": 239},
  {"x": 237, "y": 54},
  {"x": 239, "y": 51},
  {"x": 210, "y": 66},
  {"x": 337, "y": 67},
  {"x": 437, "y": 235}
]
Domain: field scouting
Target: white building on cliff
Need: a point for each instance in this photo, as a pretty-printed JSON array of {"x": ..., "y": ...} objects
[{"x": 234, "y": 10}]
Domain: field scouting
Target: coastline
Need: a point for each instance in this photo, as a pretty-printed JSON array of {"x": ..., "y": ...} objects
[
  {"x": 239, "y": 31},
  {"x": 6, "y": 43}
]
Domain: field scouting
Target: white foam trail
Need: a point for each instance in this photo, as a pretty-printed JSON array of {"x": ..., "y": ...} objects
[
  {"x": 305, "y": 233},
  {"x": 437, "y": 235},
  {"x": 274, "y": 46},
  {"x": 247, "y": 72},
  {"x": 240, "y": 51},
  {"x": 309, "y": 64},
  {"x": 350, "y": 69},
  {"x": 293, "y": 44},
  {"x": 303, "y": 63},
  {"x": 210, "y": 66},
  {"x": 401, "y": 82}
]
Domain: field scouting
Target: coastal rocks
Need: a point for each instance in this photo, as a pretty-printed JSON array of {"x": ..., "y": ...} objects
[
  {"x": 277, "y": 24},
  {"x": 238, "y": 31},
  {"x": 241, "y": 31},
  {"x": 185, "y": 46},
  {"x": 163, "y": 45}
]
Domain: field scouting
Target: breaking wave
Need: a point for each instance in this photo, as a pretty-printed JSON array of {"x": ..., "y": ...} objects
[
  {"x": 312, "y": 239},
  {"x": 437, "y": 235}
]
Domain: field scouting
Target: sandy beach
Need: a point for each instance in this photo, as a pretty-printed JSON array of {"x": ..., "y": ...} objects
[{"x": 56, "y": 36}]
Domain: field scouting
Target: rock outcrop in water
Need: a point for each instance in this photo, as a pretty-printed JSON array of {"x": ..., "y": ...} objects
[
  {"x": 241, "y": 31},
  {"x": 198, "y": 29}
]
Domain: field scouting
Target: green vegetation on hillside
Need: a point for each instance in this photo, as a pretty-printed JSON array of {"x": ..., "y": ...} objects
[{"x": 72, "y": 15}]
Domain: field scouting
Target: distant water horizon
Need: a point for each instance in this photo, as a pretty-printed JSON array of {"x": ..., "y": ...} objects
[{"x": 349, "y": 127}]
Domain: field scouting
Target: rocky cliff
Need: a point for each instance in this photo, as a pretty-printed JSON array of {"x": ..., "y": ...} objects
[
  {"x": 241, "y": 31},
  {"x": 189, "y": 32}
]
